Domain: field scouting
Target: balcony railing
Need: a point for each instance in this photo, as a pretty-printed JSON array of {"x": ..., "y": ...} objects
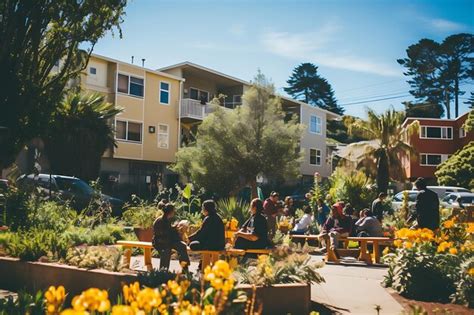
[{"x": 194, "y": 109}]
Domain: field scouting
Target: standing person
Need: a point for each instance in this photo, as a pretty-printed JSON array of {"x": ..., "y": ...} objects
[
  {"x": 323, "y": 211},
  {"x": 270, "y": 209},
  {"x": 336, "y": 226},
  {"x": 289, "y": 209},
  {"x": 254, "y": 232},
  {"x": 302, "y": 225},
  {"x": 368, "y": 225},
  {"x": 377, "y": 206},
  {"x": 166, "y": 238},
  {"x": 211, "y": 235},
  {"x": 426, "y": 207}
]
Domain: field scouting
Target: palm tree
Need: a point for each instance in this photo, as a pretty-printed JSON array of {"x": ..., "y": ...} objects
[
  {"x": 387, "y": 144},
  {"x": 80, "y": 133}
]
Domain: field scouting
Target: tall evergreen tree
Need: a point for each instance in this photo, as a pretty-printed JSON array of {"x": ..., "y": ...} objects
[
  {"x": 470, "y": 101},
  {"x": 437, "y": 70},
  {"x": 307, "y": 85}
]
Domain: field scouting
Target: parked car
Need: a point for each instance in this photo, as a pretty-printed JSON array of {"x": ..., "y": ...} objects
[
  {"x": 397, "y": 200},
  {"x": 442, "y": 191},
  {"x": 68, "y": 188},
  {"x": 458, "y": 200}
]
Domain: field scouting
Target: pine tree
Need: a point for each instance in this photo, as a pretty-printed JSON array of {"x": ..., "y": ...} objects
[{"x": 307, "y": 85}]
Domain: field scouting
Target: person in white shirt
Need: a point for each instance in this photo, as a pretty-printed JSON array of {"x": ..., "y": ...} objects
[{"x": 303, "y": 224}]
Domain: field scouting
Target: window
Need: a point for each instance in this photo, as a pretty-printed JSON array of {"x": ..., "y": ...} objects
[
  {"x": 163, "y": 136},
  {"x": 237, "y": 99},
  {"x": 436, "y": 132},
  {"x": 164, "y": 93},
  {"x": 462, "y": 132},
  {"x": 314, "y": 157},
  {"x": 199, "y": 95},
  {"x": 93, "y": 70},
  {"x": 315, "y": 124},
  {"x": 130, "y": 85},
  {"x": 129, "y": 131},
  {"x": 432, "y": 159}
]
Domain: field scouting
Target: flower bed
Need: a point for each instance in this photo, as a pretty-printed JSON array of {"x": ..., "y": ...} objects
[{"x": 433, "y": 266}]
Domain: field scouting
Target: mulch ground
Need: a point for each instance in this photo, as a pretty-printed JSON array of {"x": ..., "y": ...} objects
[{"x": 431, "y": 308}]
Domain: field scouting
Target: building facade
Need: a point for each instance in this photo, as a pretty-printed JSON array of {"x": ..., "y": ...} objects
[
  {"x": 202, "y": 84},
  {"x": 435, "y": 142},
  {"x": 161, "y": 110}
]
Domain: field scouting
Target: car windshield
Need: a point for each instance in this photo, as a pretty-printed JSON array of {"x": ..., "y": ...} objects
[
  {"x": 74, "y": 185},
  {"x": 466, "y": 200},
  {"x": 449, "y": 198}
]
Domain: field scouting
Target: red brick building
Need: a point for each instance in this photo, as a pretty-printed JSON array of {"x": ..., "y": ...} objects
[{"x": 436, "y": 140}]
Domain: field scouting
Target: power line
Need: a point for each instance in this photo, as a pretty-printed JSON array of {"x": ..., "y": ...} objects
[
  {"x": 376, "y": 100},
  {"x": 358, "y": 98}
]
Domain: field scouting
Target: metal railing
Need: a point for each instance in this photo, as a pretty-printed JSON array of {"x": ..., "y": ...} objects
[{"x": 194, "y": 109}]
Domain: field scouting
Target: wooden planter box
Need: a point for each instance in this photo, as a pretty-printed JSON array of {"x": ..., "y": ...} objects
[
  {"x": 294, "y": 298},
  {"x": 19, "y": 275}
]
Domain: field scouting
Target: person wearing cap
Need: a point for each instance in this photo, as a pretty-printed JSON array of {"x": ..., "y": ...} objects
[
  {"x": 166, "y": 238},
  {"x": 270, "y": 209},
  {"x": 426, "y": 207},
  {"x": 336, "y": 226},
  {"x": 211, "y": 234},
  {"x": 377, "y": 206}
]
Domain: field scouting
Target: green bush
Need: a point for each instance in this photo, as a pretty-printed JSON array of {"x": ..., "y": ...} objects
[
  {"x": 458, "y": 170},
  {"x": 103, "y": 234},
  {"x": 15, "y": 211},
  {"x": 233, "y": 208},
  {"x": 33, "y": 244},
  {"x": 140, "y": 213},
  {"x": 353, "y": 187},
  {"x": 50, "y": 215}
]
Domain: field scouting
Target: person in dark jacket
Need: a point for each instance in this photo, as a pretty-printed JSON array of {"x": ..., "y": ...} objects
[
  {"x": 211, "y": 235},
  {"x": 166, "y": 238},
  {"x": 426, "y": 207},
  {"x": 378, "y": 207},
  {"x": 271, "y": 209},
  {"x": 254, "y": 232}
]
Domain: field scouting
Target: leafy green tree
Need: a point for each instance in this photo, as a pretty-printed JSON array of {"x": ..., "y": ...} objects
[
  {"x": 386, "y": 145},
  {"x": 427, "y": 110},
  {"x": 79, "y": 134},
  {"x": 307, "y": 85},
  {"x": 34, "y": 37},
  {"x": 339, "y": 130},
  {"x": 458, "y": 170},
  {"x": 233, "y": 147},
  {"x": 437, "y": 70}
]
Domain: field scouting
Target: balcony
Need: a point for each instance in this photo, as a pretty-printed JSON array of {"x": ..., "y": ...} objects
[{"x": 193, "y": 110}]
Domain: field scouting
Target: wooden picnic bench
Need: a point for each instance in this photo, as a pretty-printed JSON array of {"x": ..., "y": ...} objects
[
  {"x": 209, "y": 257},
  {"x": 364, "y": 255},
  {"x": 330, "y": 254}
]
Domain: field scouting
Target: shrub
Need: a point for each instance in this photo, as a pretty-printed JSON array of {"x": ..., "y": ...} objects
[
  {"x": 458, "y": 170},
  {"x": 352, "y": 187},
  {"x": 140, "y": 213},
  {"x": 105, "y": 234},
  {"x": 24, "y": 303},
  {"x": 15, "y": 212},
  {"x": 50, "y": 215},
  {"x": 233, "y": 208},
  {"x": 95, "y": 257}
]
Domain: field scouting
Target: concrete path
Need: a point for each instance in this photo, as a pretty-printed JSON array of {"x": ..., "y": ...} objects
[{"x": 347, "y": 290}]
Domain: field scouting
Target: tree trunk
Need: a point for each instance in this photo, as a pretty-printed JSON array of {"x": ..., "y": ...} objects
[
  {"x": 448, "y": 107},
  {"x": 456, "y": 97},
  {"x": 382, "y": 173}
]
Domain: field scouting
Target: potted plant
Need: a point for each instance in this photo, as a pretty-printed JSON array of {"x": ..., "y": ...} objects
[{"x": 141, "y": 215}]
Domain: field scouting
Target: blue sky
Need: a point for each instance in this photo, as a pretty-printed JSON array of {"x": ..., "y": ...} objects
[{"x": 355, "y": 44}]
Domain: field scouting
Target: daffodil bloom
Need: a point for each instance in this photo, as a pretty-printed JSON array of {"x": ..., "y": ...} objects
[
  {"x": 408, "y": 245},
  {"x": 471, "y": 272},
  {"x": 453, "y": 251},
  {"x": 448, "y": 224},
  {"x": 54, "y": 299},
  {"x": 71, "y": 311}
]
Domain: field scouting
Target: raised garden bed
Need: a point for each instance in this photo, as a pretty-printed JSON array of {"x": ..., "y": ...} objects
[
  {"x": 19, "y": 275},
  {"x": 294, "y": 298}
]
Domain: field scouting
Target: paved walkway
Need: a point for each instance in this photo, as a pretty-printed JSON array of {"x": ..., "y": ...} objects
[{"x": 348, "y": 289}]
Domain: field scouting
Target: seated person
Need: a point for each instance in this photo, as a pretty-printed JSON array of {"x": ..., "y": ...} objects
[
  {"x": 368, "y": 225},
  {"x": 302, "y": 225},
  {"x": 166, "y": 238},
  {"x": 336, "y": 226},
  {"x": 211, "y": 235},
  {"x": 254, "y": 232},
  {"x": 350, "y": 212}
]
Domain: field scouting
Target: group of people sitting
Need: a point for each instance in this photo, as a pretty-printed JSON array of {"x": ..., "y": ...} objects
[{"x": 210, "y": 236}]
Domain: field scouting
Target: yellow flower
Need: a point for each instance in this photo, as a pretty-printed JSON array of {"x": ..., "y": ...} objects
[
  {"x": 122, "y": 310},
  {"x": 54, "y": 299},
  {"x": 471, "y": 272},
  {"x": 448, "y": 224},
  {"x": 209, "y": 310},
  {"x": 408, "y": 245},
  {"x": 453, "y": 251},
  {"x": 386, "y": 251},
  {"x": 470, "y": 228},
  {"x": 71, "y": 311},
  {"x": 130, "y": 292},
  {"x": 398, "y": 243},
  {"x": 148, "y": 299},
  {"x": 444, "y": 246},
  {"x": 92, "y": 299}
]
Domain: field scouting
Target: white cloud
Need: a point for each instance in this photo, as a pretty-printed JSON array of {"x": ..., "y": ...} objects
[
  {"x": 445, "y": 25},
  {"x": 313, "y": 46}
]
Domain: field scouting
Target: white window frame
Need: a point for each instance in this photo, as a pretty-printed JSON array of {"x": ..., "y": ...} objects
[
  {"x": 320, "y": 156},
  {"x": 444, "y": 157},
  {"x": 462, "y": 133},
  {"x": 320, "y": 124},
  {"x": 169, "y": 92},
  {"x": 424, "y": 127},
  {"x": 199, "y": 94},
  {"x": 129, "y": 82},
  {"x": 167, "y": 136},
  {"x": 126, "y": 130}
]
